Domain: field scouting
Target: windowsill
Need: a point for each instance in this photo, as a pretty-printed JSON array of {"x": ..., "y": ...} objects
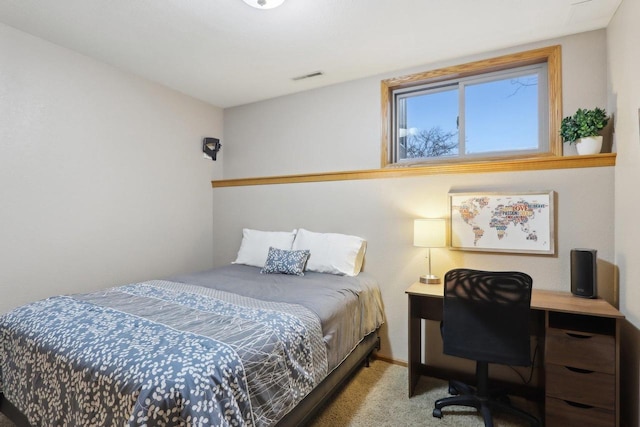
[{"x": 518, "y": 165}]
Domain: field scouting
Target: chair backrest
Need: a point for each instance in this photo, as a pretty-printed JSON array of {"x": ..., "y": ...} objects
[{"x": 486, "y": 316}]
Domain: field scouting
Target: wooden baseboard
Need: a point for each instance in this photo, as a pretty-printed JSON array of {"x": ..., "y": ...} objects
[{"x": 389, "y": 360}]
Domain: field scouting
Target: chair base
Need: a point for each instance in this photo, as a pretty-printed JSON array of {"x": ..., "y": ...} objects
[{"x": 482, "y": 400}]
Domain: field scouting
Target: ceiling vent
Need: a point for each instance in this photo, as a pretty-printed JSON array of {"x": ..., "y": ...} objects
[{"x": 308, "y": 76}]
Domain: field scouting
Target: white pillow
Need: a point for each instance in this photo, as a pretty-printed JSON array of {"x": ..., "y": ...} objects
[
  {"x": 255, "y": 245},
  {"x": 332, "y": 252}
]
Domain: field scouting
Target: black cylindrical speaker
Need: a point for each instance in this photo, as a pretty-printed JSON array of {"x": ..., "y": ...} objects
[{"x": 584, "y": 274}]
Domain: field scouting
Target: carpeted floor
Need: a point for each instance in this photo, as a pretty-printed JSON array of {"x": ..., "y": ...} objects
[
  {"x": 4, "y": 422},
  {"x": 377, "y": 396}
]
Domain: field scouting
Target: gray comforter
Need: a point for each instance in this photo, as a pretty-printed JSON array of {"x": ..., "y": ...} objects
[
  {"x": 228, "y": 346},
  {"x": 348, "y": 307}
]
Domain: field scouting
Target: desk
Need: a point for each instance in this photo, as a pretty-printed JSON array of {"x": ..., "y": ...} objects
[{"x": 581, "y": 352}]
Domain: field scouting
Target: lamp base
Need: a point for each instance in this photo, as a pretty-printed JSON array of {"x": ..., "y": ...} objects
[{"x": 430, "y": 279}]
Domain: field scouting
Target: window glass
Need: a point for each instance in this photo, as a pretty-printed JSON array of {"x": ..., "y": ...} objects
[
  {"x": 502, "y": 115},
  {"x": 431, "y": 120},
  {"x": 492, "y": 114}
]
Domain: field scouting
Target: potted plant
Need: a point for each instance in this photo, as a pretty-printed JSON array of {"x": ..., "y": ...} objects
[{"x": 584, "y": 128}]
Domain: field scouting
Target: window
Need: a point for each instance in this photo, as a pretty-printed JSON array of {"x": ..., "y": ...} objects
[{"x": 501, "y": 108}]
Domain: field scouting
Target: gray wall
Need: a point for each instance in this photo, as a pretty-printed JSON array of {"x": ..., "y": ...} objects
[
  {"x": 102, "y": 181},
  {"x": 624, "y": 91},
  {"x": 338, "y": 128}
]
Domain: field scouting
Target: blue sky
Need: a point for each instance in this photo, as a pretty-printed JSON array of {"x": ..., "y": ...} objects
[{"x": 500, "y": 115}]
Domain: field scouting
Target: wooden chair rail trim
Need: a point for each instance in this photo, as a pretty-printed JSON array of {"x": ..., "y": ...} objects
[{"x": 516, "y": 165}]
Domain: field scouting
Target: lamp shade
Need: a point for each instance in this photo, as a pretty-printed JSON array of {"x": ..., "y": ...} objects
[{"x": 429, "y": 233}]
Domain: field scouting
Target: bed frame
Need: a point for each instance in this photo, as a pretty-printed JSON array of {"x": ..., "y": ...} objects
[
  {"x": 302, "y": 413},
  {"x": 314, "y": 401}
]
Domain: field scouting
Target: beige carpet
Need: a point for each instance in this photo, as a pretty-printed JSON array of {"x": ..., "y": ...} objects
[
  {"x": 4, "y": 422},
  {"x": 377, "y": 396}
]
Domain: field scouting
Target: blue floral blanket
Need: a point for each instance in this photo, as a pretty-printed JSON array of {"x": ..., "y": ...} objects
[{"x": 159, "y": 353}]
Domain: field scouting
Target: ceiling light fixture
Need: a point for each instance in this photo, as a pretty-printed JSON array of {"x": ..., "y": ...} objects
[{"x": 264, "y": 4}]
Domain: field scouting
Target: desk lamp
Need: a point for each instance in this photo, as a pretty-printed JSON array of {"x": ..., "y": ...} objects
[{"x": 429, "y": 233}]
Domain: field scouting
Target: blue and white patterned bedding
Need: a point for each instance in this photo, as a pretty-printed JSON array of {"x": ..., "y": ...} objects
[{"x": 159, "y": 353}]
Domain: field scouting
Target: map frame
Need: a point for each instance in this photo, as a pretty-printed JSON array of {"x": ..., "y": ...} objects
[{"x": 544, "y": 244}]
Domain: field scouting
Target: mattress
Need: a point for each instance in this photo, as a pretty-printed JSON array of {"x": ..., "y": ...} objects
[{"x": 228, "y": 346}]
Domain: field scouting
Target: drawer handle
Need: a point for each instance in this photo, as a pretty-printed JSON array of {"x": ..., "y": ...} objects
[
  {"x": 579, "y": 371},
  {"x": 581, "y": 336},
  {"x": 578, "y": 405}
]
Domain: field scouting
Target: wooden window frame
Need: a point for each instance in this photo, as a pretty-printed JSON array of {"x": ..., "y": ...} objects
[{"x": 551, "y": 55}]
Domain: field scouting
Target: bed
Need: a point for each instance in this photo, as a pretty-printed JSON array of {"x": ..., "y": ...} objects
[{"x": 227, "y": 346}]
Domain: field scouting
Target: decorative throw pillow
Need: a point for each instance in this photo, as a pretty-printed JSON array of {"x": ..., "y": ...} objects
[{"x": 285, "y": 262}]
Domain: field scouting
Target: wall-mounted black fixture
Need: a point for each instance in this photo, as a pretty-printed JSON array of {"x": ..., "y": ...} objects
[{"x": 211, "y": 146}]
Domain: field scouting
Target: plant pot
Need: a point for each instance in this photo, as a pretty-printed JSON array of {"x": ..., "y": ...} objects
[{"x": 589, "y": 145}]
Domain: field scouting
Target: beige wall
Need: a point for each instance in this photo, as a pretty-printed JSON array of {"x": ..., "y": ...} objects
[
  {"x": 338, "y": 128},
  {"x": 382, "y": 211},
  {"x": 623, "y": 34},
  {"x": 102, "y": 181}
]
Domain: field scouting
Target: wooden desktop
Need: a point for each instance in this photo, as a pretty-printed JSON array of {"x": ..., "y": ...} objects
[{"x": 581, "y": 353}]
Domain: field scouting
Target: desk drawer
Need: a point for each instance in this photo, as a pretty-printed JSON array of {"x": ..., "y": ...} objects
[
  {"x": 590, "y": 387},
  {"x": 560, "y": 413},
  {"x": 581, "y": 350}
]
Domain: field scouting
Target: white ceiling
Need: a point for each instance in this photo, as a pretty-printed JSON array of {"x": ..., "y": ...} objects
[{"x": 227, "y": 53}]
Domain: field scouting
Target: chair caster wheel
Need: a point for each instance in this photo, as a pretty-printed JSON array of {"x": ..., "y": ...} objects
[
  {"x": 504, "y": 399},
  {"x": 437, "y": 413}
]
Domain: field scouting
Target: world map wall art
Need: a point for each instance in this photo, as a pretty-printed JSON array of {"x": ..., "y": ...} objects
[{"x": 503, "y": 222}]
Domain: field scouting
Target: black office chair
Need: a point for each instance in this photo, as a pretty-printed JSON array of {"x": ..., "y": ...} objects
[{"x": 486, "y": 319}]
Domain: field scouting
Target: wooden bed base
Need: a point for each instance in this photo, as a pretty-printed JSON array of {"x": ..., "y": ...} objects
[
  {"x": 302, "y": 413},
  {"x": 12, "y": 413},
  {"x": 313, "y": 402}
]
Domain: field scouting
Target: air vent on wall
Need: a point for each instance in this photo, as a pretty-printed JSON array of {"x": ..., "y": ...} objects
[{"x": 308, "y": 76}]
